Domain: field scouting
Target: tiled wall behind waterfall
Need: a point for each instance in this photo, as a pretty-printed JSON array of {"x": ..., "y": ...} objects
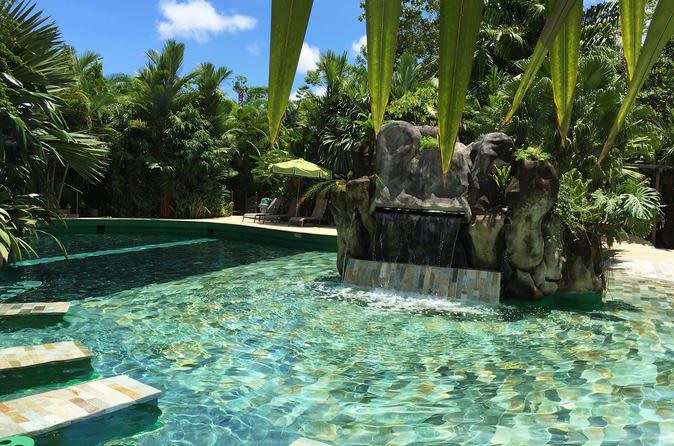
[{"x": 451, "y": 283}]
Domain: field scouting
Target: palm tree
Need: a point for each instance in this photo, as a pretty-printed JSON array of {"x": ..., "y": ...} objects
[
  {"x": 331, "y": 74},
  {"x": 88, "y": 99},
  {"x": 160, "y": 89},
  {"x": 407, "y": 76},
  {"x": 36, "y": 144},
  {"x": 36, "y": 137},
  {"x": 210, "y": 98}
]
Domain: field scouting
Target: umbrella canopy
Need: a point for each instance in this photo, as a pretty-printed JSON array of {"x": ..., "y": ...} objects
[{"x": 301, "y": 168}]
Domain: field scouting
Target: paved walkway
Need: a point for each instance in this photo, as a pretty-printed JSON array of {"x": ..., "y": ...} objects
[
  {"x": 644, "y": 260},
  {"x": 237, "y": 220}
]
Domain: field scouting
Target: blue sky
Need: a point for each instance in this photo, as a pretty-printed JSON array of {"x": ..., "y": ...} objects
[{"x": 230, "y": 33}]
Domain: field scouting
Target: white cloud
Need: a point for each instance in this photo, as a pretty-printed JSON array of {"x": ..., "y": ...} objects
[
  {"x": 357, "y": 45},
  {"x": 254, "y": 49},
  {"x": 308, "y": 58},
  {"x": 198, "y": 20}
]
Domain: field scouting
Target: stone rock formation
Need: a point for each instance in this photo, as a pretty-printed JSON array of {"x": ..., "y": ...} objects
[
  {"x": 356, "y": 226},
  {"x": 411, "y": 177},
  {"x": 514, "y": 231}
]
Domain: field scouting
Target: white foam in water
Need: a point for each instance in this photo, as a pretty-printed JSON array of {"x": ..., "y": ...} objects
[{"x": 389, "y": 300}]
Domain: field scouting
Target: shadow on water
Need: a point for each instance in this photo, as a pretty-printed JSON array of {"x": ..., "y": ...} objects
[
  {"x": 45, "y": 378},
  {"x": 590, "y": 304},
  {"x": 125, "y": 423},
  {"x": 82, "y": 278},
  {"x": 14, "y": 323}
]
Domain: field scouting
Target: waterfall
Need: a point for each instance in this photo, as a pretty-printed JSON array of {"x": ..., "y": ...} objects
[{"x": 422, "y": 238}]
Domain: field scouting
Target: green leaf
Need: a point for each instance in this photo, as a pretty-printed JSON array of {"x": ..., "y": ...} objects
[
  {"x": 289, "y": 19},
  {"x": 11, "y": 80},
  {"x": 383, "y": 18},
  {"x": 459, "y": 27},
  {"x": 554, "y": 23},
  {"x": 564, "y": 60},
  {"x": 632, "y": 14},
  {"x": 4, "y": 253},
  {"x": 660, "y": 32}
]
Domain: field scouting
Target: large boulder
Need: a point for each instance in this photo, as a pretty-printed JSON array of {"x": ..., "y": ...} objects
[
  {"x": 531, "y": 195},
  {"x": 353, "y": 215},
  {"x": 491, "y": 150},
  {"x": 484, "y": 241},
  {"x": 411, "y": 177},
  {"x": 583, "y": 271},
  {"x": 548, "y": 274}
]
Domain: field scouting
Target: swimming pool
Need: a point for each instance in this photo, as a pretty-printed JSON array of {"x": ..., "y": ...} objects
[{"x": 258, "y": 344}]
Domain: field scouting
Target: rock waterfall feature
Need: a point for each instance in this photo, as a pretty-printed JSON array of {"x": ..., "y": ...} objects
[{"x": 462, "y": 235}]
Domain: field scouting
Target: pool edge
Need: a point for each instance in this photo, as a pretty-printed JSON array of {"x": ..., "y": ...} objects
[{"x": 277, "y": 237}]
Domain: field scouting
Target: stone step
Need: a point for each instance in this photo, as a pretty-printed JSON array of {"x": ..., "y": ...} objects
[
  {"x": 15, "y": 358},
  {"x": 34, "y": 308},
  {"x": 36, "y": 414}
]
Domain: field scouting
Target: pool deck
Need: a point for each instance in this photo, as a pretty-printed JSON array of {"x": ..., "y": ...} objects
[
  {"x": 16, "y": 358},
  {"x": 44, "y": 412},
  {"x": 235, "y": 220},
  {"x": 643, "y": 260},
  {"x": 34, "y": 308}
]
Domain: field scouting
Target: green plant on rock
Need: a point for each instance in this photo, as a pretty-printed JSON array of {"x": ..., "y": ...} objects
[
  {"x": 429, "y": 142},
  {"x": 502, "y": 178},
  {"x": 534, "y": 153}
]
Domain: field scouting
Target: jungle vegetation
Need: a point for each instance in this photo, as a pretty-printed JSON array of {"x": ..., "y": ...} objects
[{"x": 169, "y": 142}]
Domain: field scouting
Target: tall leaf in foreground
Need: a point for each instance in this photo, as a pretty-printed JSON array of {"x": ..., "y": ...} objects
[
  {"x": 289, "y": 19},
  {"x": 383, "y": 18},
  {"x": 632, "y": 28},
  {"x": 660, "y": 31},
  {"x": 556, "y": 19},
  {"x": 564, "y": 60},
  {"x": 459, "y": 26}
]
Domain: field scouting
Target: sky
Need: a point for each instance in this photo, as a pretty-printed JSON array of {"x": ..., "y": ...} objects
[{"x": 229, "y": 33}]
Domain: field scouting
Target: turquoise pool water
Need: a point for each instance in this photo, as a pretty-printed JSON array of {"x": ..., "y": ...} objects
[{"x": 259, "y": 345}]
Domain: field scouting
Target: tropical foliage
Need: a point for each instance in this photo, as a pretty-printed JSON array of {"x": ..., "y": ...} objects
[
  {"x": 39, "y": 150},
  {"x": 168, "y": 142}
]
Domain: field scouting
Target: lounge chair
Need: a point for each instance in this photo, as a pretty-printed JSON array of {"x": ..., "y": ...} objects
[
  {"x": 274, "y": 207},
  {"x": 292, "y": 211},
  {"x": 316, "y": 216}
]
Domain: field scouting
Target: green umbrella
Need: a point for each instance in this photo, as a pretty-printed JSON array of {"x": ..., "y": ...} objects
[{"x": 300, "y": 168}]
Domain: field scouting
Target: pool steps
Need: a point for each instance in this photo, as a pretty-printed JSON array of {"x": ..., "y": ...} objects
[
  {"x": 34, "y": 308},
  {"x": 17, "y": 358},
  {"x": 107, "y": 252},
  {"x": 37, "y": 414}
]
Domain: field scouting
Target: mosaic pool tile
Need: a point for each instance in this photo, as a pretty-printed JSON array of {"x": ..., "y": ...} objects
[
  {"x": 37, "y": 414},
  {"x": 260, "y": 345},
  {"x": 451, "y": 283},
  {"x": 34, "y": 308},
  {"x": 14, "y": 358}
]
